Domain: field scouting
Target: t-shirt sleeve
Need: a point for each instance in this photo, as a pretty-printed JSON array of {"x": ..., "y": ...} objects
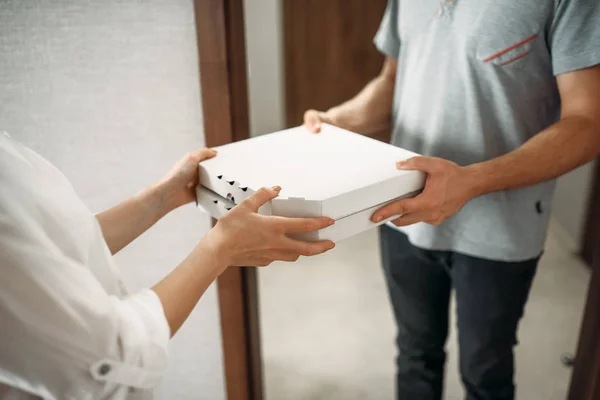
[
  {"x": 574, "y": 38},
  {"x": 387, "y": 39}
]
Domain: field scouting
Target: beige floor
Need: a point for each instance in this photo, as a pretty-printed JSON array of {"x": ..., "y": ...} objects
[{"x": 328, "y": 331}]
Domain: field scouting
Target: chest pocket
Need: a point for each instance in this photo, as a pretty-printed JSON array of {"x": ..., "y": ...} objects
[{"x": 510, "y": 34}]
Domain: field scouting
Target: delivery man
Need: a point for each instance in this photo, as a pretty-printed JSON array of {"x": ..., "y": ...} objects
[{"x": 500, "y": 98}]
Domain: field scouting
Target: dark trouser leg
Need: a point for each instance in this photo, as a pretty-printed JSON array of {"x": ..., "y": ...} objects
[
  {"x": 419, "y": 289},
  {"x": 490, "y": 298}
]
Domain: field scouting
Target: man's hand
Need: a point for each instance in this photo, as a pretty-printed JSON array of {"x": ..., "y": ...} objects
[
  {"x": 313, "y": 120},
  {"x": 447, "y": 189},
  {"x": 369, "y": 112},
  {"x": 245, "y": 238},
  {"x": 178, "y": 185}
]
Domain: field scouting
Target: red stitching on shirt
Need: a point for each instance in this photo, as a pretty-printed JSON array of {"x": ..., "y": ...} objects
[
  {"x": 514, "y": 46},
  {"x": 514, "y": 59}
]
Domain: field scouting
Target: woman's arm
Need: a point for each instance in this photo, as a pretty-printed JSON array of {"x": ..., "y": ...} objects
[
  {"x": 241, "y": 238},
  {"x": 125, "y": 222},
  {"x": 62, "y": 333}
]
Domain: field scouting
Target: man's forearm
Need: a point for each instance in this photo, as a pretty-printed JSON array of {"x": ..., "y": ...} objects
[
  {"x": 370, "y": 111},
  {"x": 128, "y": 220},
  {"x": 564, "y": 146}
]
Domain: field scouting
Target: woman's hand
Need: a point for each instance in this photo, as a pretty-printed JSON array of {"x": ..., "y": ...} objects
[
  {"x": 245, "y": 238},
  {"x": 132, "y": 217},
  {"x": 241, "y": 238},
  {"x": 178, "y": 185}
]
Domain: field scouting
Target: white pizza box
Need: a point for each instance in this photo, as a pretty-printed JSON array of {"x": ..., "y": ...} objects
[{"x": 335, "y": 173}]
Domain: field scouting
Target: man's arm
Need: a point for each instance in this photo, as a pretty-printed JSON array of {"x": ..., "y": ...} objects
[
  {"x": 369, "y": 112},
  {"x": 125, "y": 222},
  {"x": 564, "y": 146}
]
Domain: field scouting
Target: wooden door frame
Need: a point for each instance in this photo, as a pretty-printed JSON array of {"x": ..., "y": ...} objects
[
  {"x": 223, "y": 80},
  {"x": 585, "y": 382},
  {"x": 591, "y": 237}
]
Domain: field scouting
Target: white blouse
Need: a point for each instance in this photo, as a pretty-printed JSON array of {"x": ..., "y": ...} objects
[{"x": 68, "y": 328}]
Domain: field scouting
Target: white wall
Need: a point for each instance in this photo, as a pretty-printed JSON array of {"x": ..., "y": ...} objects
[
  {"x": 571, "y": 202},
  {"x": 264, "y": 44},
  {"x": 108, "y": 91}
]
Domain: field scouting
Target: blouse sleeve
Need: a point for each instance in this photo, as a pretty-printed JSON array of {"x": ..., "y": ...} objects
[{"x": 62, "y": 334}]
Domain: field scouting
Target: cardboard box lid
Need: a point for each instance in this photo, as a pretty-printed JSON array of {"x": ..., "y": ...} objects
[{"x": 335, "y": 173}]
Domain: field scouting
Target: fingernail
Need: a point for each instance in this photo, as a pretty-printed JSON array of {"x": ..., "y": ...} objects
[
  {"x": 277, "y": 188},
  {"x": 331, "y": 222},
  {"x": 331, "y": 246},
  {"x": 379, "y": 218},
  {"x": 400, "y": 164}
]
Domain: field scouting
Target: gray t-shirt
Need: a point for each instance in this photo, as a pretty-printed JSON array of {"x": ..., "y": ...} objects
[{"x": 475, "y": 80}]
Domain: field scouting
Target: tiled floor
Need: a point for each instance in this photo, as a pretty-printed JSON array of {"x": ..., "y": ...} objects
[{"x": 328, "y": 331}]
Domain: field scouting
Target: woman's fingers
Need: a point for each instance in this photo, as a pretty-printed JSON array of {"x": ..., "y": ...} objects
[
  {"x": 261, "y": 197},
  {"x": 265, "y": 258},
  {"x": 287, "y": 256},
  {"x": 307, "y": 248},
  {"x": 302, "y": 225},
  {"x": 258, "y": 240},
  {"x": 201, "y": 154}
]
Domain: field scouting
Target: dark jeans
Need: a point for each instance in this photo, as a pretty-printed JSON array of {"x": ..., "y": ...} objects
[{"x": 490, "y": 298}]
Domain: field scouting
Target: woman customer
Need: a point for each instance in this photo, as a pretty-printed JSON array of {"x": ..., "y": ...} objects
[{"x": 68, "y": 327}]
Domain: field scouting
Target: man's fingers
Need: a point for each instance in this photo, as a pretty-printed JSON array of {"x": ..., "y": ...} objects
[
  {"x": 399, "y": 207},
  {"x": 308, "y": 248},
  {"x": 410, "y": 219},
  {"x": 313, "y": 120},
  {"x": 261, "y": 197},
  {"x": 303, "y": 225},
  {"x": 428, "y": 165}
]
